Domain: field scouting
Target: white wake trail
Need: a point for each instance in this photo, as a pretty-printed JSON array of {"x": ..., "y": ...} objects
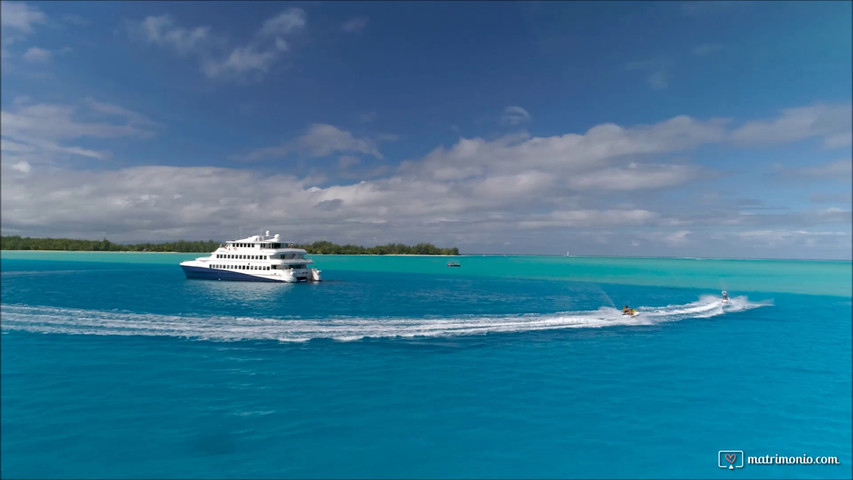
[{"x": 44, "y": 319}]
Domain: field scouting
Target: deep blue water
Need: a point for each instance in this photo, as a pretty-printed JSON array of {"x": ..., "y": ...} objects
[{"x": 127, "y": 370}]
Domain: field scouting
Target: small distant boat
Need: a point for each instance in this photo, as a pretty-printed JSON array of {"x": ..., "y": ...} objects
[{"x": 453, "y": 264}]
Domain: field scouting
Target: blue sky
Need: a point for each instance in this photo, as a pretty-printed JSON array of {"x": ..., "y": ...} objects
[{"x": 718, "y": 129}]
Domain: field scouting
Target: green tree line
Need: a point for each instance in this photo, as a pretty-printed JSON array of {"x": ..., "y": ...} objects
[
  {"x": 324, "y": 247},
  {"x": 16, "y": 242}
]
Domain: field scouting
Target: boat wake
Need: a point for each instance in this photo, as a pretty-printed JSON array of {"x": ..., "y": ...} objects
[{"x": 44, "y": 319}]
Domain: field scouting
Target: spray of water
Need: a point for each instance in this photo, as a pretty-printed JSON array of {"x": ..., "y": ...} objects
[{"x": 44, "y": 319}]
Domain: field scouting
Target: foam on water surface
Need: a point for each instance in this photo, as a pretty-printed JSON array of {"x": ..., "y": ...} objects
[{"x": 45, "y": 319}]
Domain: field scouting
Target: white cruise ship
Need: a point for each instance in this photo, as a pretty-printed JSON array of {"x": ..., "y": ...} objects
[{"x": 260, "y": 258}]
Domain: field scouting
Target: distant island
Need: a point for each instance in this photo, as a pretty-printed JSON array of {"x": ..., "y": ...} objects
[{"x": 16, "y": 242}]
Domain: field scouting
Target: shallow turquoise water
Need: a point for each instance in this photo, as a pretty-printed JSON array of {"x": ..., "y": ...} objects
[{"x": 114, "y": 365}]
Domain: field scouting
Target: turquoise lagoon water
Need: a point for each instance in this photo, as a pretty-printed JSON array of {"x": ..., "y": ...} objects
[{"x": 114, "y": 365}]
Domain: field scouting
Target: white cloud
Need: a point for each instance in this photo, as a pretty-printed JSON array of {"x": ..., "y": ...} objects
[
  {"x": 37, "y": 133},
  {"x": 22, "y": 166},
  {"x": 323, "y": 139},
  {"x": 56, "y": 122},
  {"x": 646, "y": 177},
  {"x": 285, "y": 23},
  {"x": 162, "y": 31},
  {"x": 346, "y": 161},
  {"x": 144, "y": 125},
  {"x": 240, "y": 61},
  {"x": 37, "y": 55},
  {"x": 20, "y": 16},
  {"x": 355, "y": 24},
  {"x": 319, "y": 141},
  {"x": 839, "y": 169},
  {"x": 515, "y": 115},
  {"x": 515, "y": 190},
  {"x": 567, "y": 153},
  {"x": 591, "y": 218},
  {"x": 831, "y": 122},
  {"x": 218, "y": 61}
]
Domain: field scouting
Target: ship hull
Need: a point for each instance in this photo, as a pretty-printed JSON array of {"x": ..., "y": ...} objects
[{"x": 204, "y": 273}]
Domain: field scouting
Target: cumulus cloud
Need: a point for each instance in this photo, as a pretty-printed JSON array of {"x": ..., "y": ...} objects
[
  {"x": 20, "y": 16},
  {"x": 355, "y": 24},
  {"x": 567, "y": 153},
  {"x": 512, "y": 193},
  {"x": 515, "y": 115},
  {"x": 217, "y": 60},
  {"x": 832, "y": 122}
]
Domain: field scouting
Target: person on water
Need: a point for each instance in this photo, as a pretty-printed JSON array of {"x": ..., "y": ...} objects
[
  {"x": 725, "y": 296},
  {"x": 626, "y": 310}
]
